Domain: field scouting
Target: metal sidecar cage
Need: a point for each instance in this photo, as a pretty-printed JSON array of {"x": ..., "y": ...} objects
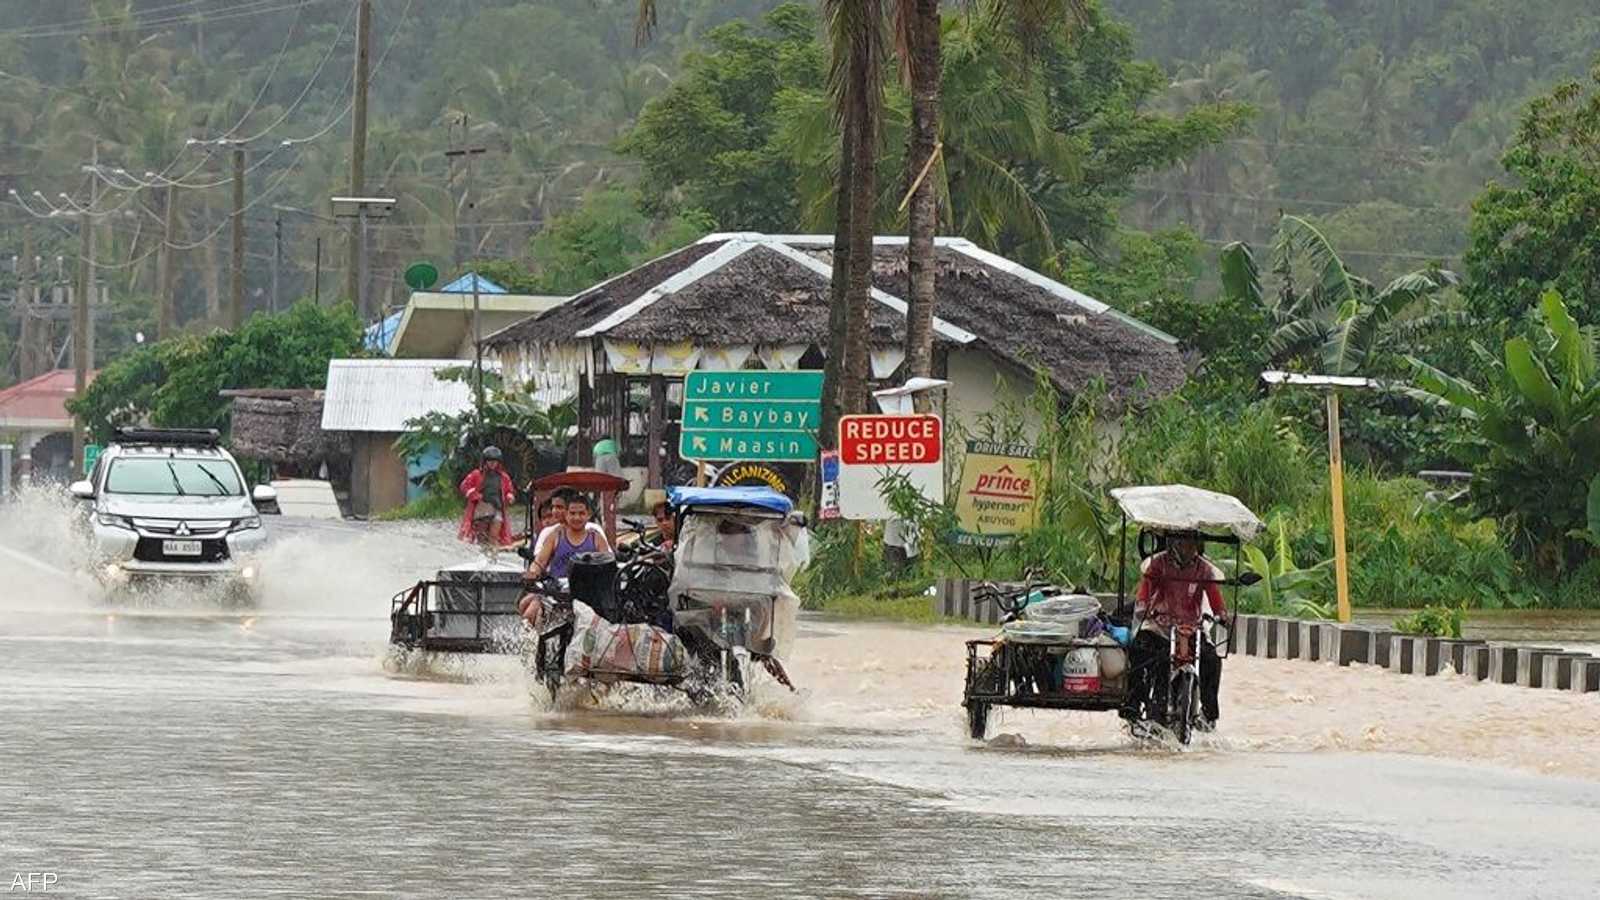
[
  {"x": 467, "y": 616},
  {"x": 1027, "y": 673}
]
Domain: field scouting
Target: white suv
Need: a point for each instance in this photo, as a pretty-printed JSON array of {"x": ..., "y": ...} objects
[{"x": 170, "y": 503}]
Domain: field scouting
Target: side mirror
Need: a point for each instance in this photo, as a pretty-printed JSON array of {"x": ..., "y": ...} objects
[
  {"x": 265, "y": 497},
  {"x": 82, "y": 490},
  {"x": 1249, "y": 578}
]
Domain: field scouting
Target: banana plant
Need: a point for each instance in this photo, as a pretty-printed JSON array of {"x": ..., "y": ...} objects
[
  {"x": 1340, "y": 319},
  {"x": 1530, "y": 431},
  {"x": 1284, "y": 586}
]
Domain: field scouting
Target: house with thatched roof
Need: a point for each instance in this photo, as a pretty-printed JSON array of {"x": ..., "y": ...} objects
[
  {"x": 283, "y": 427},
  {"x": 744, "y": 300}
]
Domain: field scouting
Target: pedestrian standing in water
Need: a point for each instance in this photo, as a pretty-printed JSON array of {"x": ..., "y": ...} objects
[{"x": 489, "y": 493}]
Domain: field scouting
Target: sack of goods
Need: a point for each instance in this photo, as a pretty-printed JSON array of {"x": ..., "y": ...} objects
[{"x": 600, "y": 648}]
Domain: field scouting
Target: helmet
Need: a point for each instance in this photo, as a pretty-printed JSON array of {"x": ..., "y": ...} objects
[{"x": 491, "y": 452}]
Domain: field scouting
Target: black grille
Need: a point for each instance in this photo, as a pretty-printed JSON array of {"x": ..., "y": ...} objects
[{"x": 211, "y": 551}]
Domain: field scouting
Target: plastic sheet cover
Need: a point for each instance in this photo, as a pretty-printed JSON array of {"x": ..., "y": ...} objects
[
  {"x": 1179, "y": 507},
  {"x": 731, "y": 579}
]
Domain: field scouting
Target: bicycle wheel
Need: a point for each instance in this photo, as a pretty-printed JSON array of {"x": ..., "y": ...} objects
[{"x": 1185, "y": 692}]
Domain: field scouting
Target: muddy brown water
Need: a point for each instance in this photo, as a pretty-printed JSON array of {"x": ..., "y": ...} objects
[{"x": 182, "y": 751}]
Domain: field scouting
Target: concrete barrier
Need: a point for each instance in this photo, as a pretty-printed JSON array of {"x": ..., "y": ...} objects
[
  {"x": 1287, "y": 634},
  {"x": 1475, "y": 662},
  {"x": 1530, "y": 665},
  {"x": 1503, "y": 663},
  {"x": 1310, "y": 640},
  {"x": 1379, "y": 655},
  {"x": 1341, "y": 645},
  {"x": 1586, "y": 676},
  {"x": 1402, "y": 658},
  {"x": 1558, "y": 669},
  {"x": 1431, "y": 655}
]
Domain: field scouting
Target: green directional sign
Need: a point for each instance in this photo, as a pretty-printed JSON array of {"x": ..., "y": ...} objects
[
  {"x": 751, "y": 415},
  {"x": 91, "y": 455}
]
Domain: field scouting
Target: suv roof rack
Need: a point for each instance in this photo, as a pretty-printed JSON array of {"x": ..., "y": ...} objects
[{"x": 179, "y": 437}]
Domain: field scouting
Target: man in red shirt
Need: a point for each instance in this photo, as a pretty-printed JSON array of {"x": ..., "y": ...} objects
[{"x": 1176, "y": 587}]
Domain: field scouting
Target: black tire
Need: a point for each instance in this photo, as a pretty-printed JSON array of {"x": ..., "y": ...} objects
[
  {"x": 977, "y": 719},
  {"x": 1183, "y": 707}
]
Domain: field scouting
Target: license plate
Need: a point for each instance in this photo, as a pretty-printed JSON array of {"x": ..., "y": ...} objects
[{"x": 180, "y": 548}]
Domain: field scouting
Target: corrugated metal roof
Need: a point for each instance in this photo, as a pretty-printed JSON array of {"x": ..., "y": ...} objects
[{"x": 383, "y": 394}]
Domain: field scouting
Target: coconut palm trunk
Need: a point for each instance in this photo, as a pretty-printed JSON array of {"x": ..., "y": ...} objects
[
  {"x": 917, "y": 26},
  {"x": 856, "y": 83},
  {"x": 833, "y": 366}
]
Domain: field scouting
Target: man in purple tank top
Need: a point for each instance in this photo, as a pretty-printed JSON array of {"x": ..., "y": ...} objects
[{"x": 554, "y": 558}]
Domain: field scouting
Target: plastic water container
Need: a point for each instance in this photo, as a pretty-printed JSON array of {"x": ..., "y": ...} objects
[{"x": 1080, "y": 671}]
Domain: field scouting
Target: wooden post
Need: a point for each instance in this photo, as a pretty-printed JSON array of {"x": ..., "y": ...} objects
[
  {"x": 699, "y": 474},
  {"x": 1336, "y": 486},
  {"x": 655, "y": 427}
]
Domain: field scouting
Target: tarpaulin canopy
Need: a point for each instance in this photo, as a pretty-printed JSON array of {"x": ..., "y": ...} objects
[
  {"x": 760, "y": 497},
  {"x": 1179, "y": 507}
]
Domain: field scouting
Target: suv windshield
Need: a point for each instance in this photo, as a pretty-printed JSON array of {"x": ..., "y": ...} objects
[{"x": 194, "y": 477}]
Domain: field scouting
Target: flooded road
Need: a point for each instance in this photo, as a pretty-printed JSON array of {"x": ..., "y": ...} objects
[{"x": 183, "y": 752}]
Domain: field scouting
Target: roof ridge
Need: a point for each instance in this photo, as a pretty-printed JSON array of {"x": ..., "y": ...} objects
[
  {"x": 950, "y": 331},
  {"x": 731, "y": 250}
]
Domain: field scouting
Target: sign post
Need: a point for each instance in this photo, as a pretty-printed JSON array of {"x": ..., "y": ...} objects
[{"x": 753, "y": 415}]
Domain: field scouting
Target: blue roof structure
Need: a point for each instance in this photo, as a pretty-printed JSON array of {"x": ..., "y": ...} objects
[
  {"x": 760, "y": 497},
  {"x": 463, "y": 285},
  {"x": 380, "y": 335}
]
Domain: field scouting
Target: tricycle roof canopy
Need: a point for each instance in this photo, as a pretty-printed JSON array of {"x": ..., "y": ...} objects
[
  {"x": 1179, "y": 507},
  {"x": 730, "y": 497}
]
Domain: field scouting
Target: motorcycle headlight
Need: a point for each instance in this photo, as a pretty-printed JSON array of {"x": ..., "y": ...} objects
[
  {"x": 247, "y": 524},
  {"x": 112, "y": 521}
]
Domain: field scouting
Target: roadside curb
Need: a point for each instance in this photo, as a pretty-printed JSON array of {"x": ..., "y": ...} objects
[{"x": 1497, "y": 662}]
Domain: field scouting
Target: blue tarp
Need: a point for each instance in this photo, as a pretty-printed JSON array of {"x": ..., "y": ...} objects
[
  {"x": 380, "y": 336},
  {"x": 760, "y": 497},
  {"x": 463, "y": 285}
]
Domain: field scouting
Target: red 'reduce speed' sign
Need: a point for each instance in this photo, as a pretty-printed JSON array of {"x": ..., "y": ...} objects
[{"x": 890, "y": 440}]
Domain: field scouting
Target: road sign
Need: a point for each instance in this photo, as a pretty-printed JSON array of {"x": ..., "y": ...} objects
[
  {"x": 91, "y": 455},
  {"x": 752, "y": 415},
  {"x": 999, "y": 493},
  {"x": 874, "y": 447}
]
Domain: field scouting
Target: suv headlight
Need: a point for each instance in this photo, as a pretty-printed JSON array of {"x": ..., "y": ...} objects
[
  {"x": 112, "y": 521},
  {"x": 247, "y": 524}
]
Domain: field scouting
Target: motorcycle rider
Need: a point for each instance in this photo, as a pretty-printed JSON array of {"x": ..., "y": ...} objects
[{"x": 1176, "y": 587}]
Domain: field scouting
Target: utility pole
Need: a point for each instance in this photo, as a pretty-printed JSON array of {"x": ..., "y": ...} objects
[
  {"x": 236, "y": 298},
  {"x": 358, "y": 151},
  {"x": 28, "y": 364},
  {"x": 277, "y": 254},
  {"x": 82, "y": 337},
  {"x": 316, "y": 279},
  {"x": 166, "y": 313},
  {"x": 470, "y": 203}
]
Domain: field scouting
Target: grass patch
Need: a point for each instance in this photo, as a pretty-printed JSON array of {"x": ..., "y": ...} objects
[
  {"x": 913, "y": 609},
  {"x": 428, "y": 507}
]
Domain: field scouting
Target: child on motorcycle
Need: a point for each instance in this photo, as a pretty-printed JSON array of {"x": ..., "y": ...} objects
[{"x": 1176, "y": 588}]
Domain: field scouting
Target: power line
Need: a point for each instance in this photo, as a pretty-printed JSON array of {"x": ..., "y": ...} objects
[
  {"x": 1291, "y": 201},
  {"x": 246, "y": 9},
  {"x": 273, "y": 72},
  {"x": 317, "y": 73}
]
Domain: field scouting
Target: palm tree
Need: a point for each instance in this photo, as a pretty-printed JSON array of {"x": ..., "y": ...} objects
[{"x": 1341, "y": 319}]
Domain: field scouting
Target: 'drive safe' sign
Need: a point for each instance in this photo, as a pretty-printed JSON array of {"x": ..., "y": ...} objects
[{"x": 871, "y": 440}]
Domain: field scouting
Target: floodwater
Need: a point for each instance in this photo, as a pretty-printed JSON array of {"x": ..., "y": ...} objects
[{"x": 177, "y": 750}]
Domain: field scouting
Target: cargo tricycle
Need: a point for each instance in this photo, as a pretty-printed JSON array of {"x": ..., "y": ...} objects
[{"x": 1071, "y": 651}]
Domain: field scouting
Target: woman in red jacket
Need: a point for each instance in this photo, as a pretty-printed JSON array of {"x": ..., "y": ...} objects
[{"x": 489, "y": 494}]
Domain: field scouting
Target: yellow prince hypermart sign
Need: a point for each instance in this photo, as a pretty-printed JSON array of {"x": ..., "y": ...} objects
[{"x": 999, "y": 492}]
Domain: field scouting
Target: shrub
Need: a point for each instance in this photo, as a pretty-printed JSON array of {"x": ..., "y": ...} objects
[{"x": 1433, "y": 621}]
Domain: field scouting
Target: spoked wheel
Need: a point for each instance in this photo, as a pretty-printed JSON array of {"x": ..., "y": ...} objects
[
  {"x": 1183, "y": 707},
  {"x": 977, "y": 719}
]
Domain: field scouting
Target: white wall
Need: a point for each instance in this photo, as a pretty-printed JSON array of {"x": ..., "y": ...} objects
[{"x": 979, "y": 382}]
